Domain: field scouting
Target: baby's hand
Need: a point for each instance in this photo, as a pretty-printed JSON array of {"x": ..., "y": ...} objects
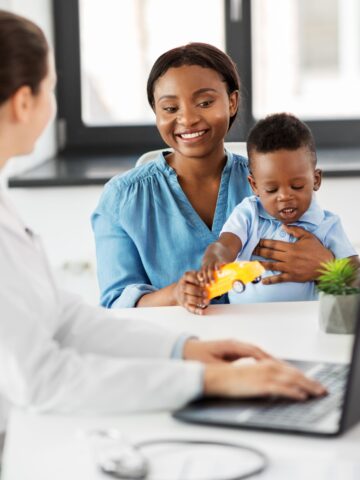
[{"x": 208, "y": 268}]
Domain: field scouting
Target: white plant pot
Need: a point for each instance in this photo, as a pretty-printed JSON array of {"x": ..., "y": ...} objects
[{"x": 338, "y": 313}]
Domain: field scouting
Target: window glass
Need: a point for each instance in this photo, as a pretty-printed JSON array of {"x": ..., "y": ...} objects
[
  {"x": 120, "y": 40},
  {"x": 306, "y": 58}
]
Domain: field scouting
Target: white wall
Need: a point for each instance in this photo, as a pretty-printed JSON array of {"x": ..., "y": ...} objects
[
  {"x": 61, "y": 216},
  {"x": 342, "y": 196},
  {"x": 39, "y": 11}
]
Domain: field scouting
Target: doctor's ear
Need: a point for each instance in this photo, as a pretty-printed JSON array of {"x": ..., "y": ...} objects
[
  {"x": 253, "y": 186},
  {"x": 21, "y": 103}
]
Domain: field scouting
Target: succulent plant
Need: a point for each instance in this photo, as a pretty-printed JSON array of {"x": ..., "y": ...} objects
[{"x": 338, "y": 277}]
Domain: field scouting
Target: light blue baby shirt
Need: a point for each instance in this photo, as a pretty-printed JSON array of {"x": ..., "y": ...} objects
[
  {"x": 250, "y": 222},
  {"x": 148, "y": 234}
]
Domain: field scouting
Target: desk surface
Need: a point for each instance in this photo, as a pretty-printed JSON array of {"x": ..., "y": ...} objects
[{"x": 50, "y": 446}]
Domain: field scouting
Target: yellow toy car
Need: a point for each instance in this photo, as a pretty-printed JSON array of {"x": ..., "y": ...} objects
[{"x": 234, "y": 276}]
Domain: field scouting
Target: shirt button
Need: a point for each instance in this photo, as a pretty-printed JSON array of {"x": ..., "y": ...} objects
[{"x": 282, "y": 234}]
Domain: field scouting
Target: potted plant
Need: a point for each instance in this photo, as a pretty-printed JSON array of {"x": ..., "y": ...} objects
[{"x": 339, "y": 297}]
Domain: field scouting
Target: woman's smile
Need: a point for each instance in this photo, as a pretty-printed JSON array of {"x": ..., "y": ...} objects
[{"x": 191, "y": 136}]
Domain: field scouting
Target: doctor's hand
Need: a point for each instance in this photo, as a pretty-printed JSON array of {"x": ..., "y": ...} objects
[
  {"x": 297, "y": 262},
  {"x": 264, "y": 378},
  {"x": 190, "y": 293},
  {"x": 221, "y": 351}
]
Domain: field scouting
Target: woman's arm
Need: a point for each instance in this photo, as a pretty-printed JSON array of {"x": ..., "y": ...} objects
[
  {"x": 121, "y": 274},
  {"x": 123, "y": 261},
  {"x": 160, "y": 298},
  {"x": 190, "y": 291},
  {"x": 187, "y": 292},
  {"x": 122, "y": 277}
]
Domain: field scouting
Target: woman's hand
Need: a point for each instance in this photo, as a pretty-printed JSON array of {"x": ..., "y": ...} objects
[
  {"x": 221, "y": 351},
  {"x": 297, "y": 262},
  {"x": 190, "y": 293},
  {"x": 263, "y": 378}
]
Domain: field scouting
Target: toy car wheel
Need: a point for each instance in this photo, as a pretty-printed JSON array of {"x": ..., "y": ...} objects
[
  {"x": 256, "y": 280},
  {"x": 238, "y": 286}
]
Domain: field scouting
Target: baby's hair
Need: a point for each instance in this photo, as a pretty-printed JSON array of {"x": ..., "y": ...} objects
[
  {"x": 201, "y": 54},
  {"x": 280, "y": 131},
  {"x": 23, "y": 55}
]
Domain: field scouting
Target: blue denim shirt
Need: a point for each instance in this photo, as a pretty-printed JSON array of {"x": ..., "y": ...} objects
[{"x": 148, "y": 234}]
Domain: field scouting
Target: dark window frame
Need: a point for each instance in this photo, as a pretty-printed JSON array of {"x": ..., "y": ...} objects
[{"x": 75, "y": 136}]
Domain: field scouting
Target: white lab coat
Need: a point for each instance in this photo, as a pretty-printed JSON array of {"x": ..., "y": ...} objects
[{"x": 58, "y": 354}]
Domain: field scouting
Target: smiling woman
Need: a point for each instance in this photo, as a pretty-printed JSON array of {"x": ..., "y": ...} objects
[{"x": 153, "y": 224}]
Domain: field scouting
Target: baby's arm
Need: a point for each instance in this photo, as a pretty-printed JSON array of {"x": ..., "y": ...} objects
[{"x": 222, "y": 251}]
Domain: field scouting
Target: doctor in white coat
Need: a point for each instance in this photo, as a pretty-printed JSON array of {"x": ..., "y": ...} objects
[{"x": 58, "y": 354}]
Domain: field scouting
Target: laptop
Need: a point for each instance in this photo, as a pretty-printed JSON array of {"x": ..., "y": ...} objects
[{"x": 326, "y": 416}]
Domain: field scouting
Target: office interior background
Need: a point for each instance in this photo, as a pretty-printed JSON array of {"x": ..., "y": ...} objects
[{"x": 299, "y": 56}]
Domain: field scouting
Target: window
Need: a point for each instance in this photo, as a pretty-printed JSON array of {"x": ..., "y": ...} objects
[
  {"x": 306, "y": 60},
  {"x": 301, "y": 56},
  {"x": 113, "y": 84},
  {"x": 104, "y": 53}
]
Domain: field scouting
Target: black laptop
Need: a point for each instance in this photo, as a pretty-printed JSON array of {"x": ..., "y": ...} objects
[{"x": 327, "y": 416}]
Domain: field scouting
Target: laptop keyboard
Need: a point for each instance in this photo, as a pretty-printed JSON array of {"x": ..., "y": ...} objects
[{"x": 283, "y": 413}]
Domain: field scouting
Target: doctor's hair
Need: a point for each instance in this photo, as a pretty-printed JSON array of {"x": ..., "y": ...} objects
[
  {"x": 201, "y": 54},
  {"x": 280, "y": 131},
  {"x": 23, "y": 55}
]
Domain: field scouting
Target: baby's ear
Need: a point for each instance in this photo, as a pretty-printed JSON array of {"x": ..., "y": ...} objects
[
  {"x": 253, "y": 186},
  {"x": 317, "y": 179}
]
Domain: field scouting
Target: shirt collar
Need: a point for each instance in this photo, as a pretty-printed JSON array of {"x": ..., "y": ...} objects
[
  {"x": 165, "y": 167},
  {"x": 162, "y": 163},
  {"x": 314, "y": 215}
]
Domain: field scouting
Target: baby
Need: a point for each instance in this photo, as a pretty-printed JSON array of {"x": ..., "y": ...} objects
[{"x": 283, "y": 177}]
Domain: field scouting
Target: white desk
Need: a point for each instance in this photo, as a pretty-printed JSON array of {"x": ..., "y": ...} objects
[{"x": 53, "y": 447}]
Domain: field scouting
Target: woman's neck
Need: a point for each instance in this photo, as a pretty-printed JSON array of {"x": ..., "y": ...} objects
[{"x": 200, "y": 168}]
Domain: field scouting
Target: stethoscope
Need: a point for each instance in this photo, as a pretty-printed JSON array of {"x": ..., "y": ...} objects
[{"x": 131, "y": 461}]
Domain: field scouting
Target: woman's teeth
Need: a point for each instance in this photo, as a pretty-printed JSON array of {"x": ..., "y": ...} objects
[{"x": 192, "y": 135}]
